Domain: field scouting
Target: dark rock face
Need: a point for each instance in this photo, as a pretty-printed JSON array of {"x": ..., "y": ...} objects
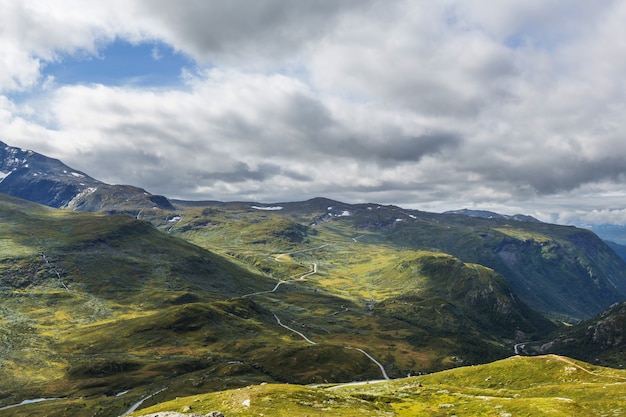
[{"x": 35, "y": 177}]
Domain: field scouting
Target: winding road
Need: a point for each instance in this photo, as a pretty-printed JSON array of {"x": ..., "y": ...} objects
[
  {"x": 519, "y": 346},
  {"x": 382, "y": 369},
  {"x": 302, "y": 277},
  {"x": 294, "y": 331}
]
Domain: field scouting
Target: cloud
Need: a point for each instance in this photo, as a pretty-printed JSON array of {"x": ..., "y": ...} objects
[
  {"x": 429, "y": 104},
  {"x": 242, "y": 31}
]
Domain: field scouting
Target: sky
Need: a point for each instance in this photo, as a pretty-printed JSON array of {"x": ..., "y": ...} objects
[{"x": 504, "y": 105}]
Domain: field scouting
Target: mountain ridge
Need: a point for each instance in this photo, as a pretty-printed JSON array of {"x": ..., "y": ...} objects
[{"x": 35, "y": 177}]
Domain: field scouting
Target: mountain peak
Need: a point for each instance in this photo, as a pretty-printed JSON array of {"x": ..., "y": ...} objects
[{"x": 35, "y": 177}]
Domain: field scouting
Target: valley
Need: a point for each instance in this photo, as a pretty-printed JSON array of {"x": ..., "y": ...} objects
[{"x": 124, "y": 306}]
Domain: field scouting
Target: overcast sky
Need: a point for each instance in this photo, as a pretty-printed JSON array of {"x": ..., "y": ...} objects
[{"x": 511, "y": 106}]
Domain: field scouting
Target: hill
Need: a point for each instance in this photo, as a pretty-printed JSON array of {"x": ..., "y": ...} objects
[
  {"x": 94, "y": 302},
  {"x": 538, "y": 386},
  {"x": 562, "y": 271},
  {"x": 94, "y": 305}
]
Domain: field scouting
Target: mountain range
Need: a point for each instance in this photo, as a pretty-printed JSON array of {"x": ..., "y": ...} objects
[{"x": 112, "y": 296}]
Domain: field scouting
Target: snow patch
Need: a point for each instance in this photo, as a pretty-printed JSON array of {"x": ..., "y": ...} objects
[
  {"x": 174, "y": 219},
  {"x": 3, "y": 175},
  {"x": 76, "y": 174},
  {"x": 344, "y": 213},
  {"x": 273, "y": 208}
]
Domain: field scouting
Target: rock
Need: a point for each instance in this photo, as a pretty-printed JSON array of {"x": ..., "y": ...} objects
[{"x": 214, "y": 414}]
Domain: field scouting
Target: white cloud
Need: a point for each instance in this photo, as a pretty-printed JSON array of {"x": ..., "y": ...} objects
[{"x": 505, "y": 104}]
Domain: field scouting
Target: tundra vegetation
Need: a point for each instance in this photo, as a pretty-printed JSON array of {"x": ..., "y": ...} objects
[{"x": 207, "y": 301}]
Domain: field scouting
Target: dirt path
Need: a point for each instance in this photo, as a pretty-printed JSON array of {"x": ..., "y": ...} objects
[{"x": 577, "y": 366}]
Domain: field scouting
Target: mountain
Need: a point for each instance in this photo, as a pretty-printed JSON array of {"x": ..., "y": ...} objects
[
  {"x": 611, "y": 232},
  {"x": 562, "y": 271},
  {"x": 619, "y": 249},
  {"x": 95, "y": 305},
  {"x": 538, "y": 386},
  {"x": 35, "y": 177},
  {"x": 600, "y": 340},
  {"x": 492, "y": 215},
  {"x": 101, "y": 311}
]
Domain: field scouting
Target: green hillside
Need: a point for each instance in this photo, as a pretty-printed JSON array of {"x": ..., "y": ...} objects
[
  {"x": 564, "y": 272},
  {"x": 80, "y": 290},
  {"x": 100, "y": 311},
  {"x": 95, "y": 305},
  {"x": 538, "y": 386}
]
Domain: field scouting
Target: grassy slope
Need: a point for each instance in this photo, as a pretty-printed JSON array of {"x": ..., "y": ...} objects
[
  {"x": 518, "y": 386},
  {"x": 89, "y": 296},
  {"x": 566, "y": 272},
  {"x": 145, "y": 310},
  {"x": 417, "y": 310}
]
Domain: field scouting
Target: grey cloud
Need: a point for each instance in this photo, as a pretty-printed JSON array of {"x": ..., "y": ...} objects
[
  {"x": 242, "y": 173},
  {"x": 546, "y": 174},
  {"x": 308, "y": 114},
  {"x": 260, "y": 28},
  {"x": 396, "y": 149}
]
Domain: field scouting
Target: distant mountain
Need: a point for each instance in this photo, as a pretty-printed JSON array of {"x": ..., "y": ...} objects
[
  {"x": 35, "y": 177},
  {"x": 563, "y": 271},
  {"x": 491, "y": 215},
  {"x": 619, "y": 249},
  {"x": 611, "y": 232}
]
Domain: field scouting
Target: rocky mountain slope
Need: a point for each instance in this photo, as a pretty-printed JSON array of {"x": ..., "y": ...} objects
[
  {"x": 35, "y": 177},
  {"x": 599, "y": 340}
]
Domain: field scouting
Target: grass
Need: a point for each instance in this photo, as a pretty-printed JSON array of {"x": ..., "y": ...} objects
[
  {"x": 118, "y": 305},
  {"x": 546, "y": 386}
]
